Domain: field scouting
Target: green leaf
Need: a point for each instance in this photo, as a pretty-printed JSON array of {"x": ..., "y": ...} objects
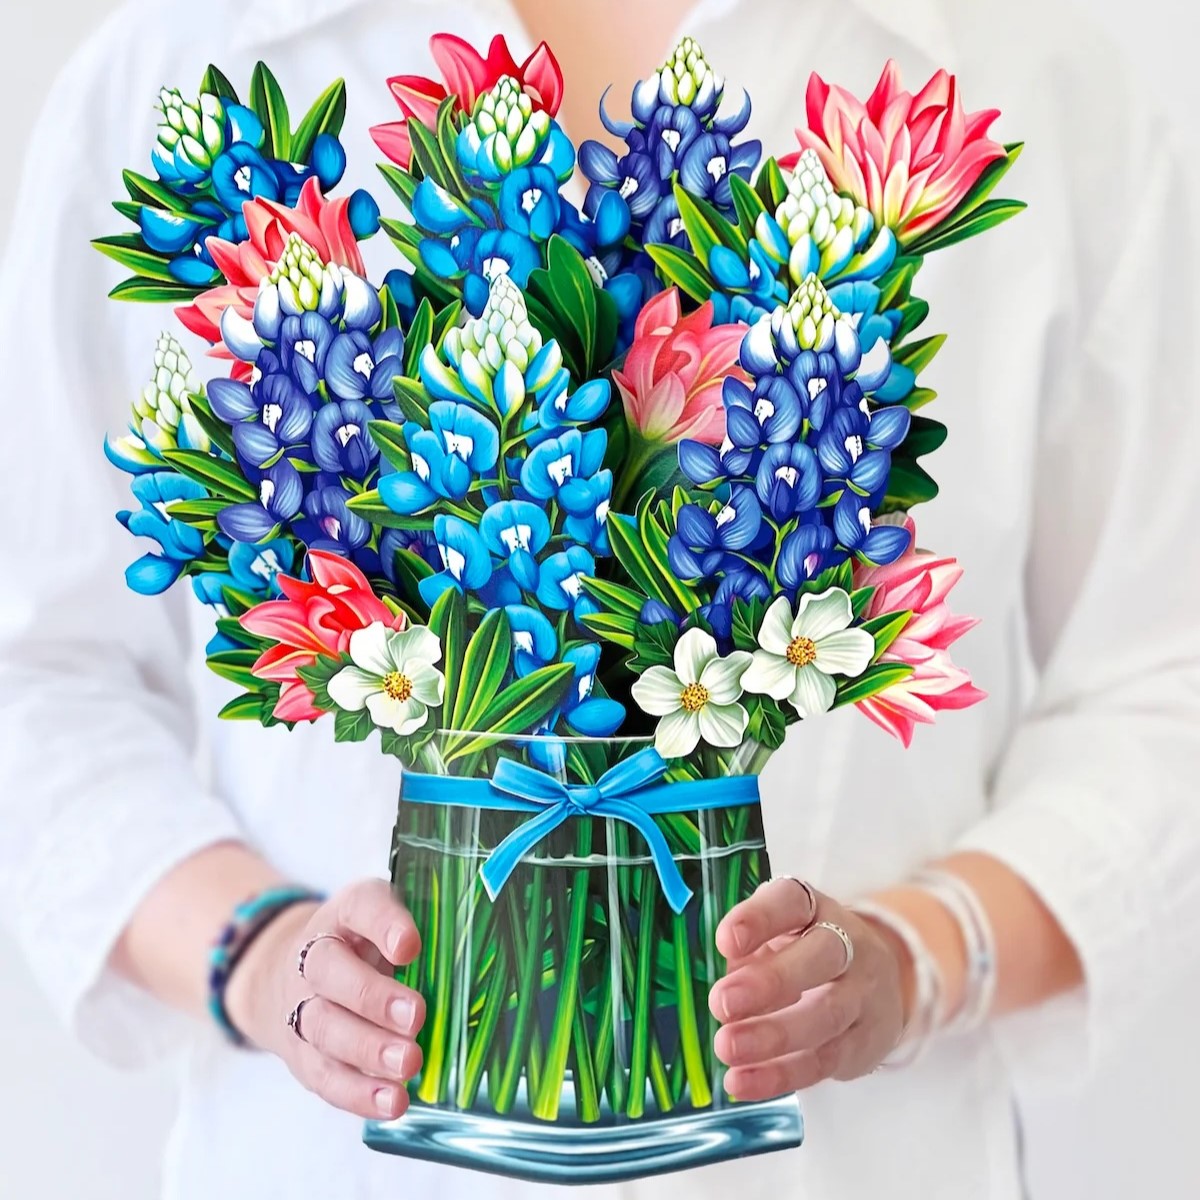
[
  {"x": 427, "y": 156},
  {"x": 238, "y": 602},
  {"x": 747, "y": 621},
  {"x": 909, "y": 484},
  {"x": 647, "y": 565},
  {"x": 615, "y": 597},
  {"x": 400, "y": 181},
  {"x": 924, "y": 437},
  {"x": 448, "y": 620},
  {"x": 317, "y": 676},
  {"x": 412, "y": 398},
  {"x": 895, "y": 287},
  {"x": 918, "y": 398},
  {"x": 768, "y": 722},
  {"x": 578, "y": 304},
  {"x": 520, "y": 706},
  {"x": 220, "y": 477},
  {"x": 987, "y": 216},
  {"x": 918, "y": 355},
  {"x": 859, "y": 599},
  {"x": 143, "y": 290},
  {"x": 130, "y": 251},
  {"x": 247, "y": 707},
  {"x": 974, "y": 199},
  {"x": 420, "y": 335},
  {"x": 841, "y": 576},
  {"x": 701, "y": 232},
  {"x": 682, "y": 270},
  {"x": 485, "y": 665},
  {"x": 912, "y": 315},
  {"x": 747, "y": 203},
  {"x": 870, "y": 683},
  {"x": 446, "y": 320},
  {"x": 389, "y": 437},
  {"x": 150, "y": 191},
  {"x": 218, "y": 432},
  {"x": 885, "y": 630},
  {"x": 267, "y": 100},
  {"x": 771, "y": 185},
  {"x": 235, "y": 665},
  {"x": 410, "y": 568},
  {"x": 352, "y": 726},
  {"x": 327, "y": 115},
  {"x": 617, "y": 628},
  {"x": 654, "y": 646},
  {"x": 214, "y": 83},
  {"x": 447, "y": 137},
  {"x": 372, "y": 509},
  {"x": 199, "y": 514}
]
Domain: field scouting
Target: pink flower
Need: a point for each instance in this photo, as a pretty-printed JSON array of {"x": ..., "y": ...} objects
[
  {"x": 315, "y": 620},
  {"x": 673, "y": 374},
  {"x": 920, "y": 582},
  {"x": 323, "y": 224},
  {"x": 910, "y": 159},
  {"x": 467, "y": 76}
]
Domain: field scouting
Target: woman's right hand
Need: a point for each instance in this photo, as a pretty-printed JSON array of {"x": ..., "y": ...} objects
[{"x": 358, "y": 1048}]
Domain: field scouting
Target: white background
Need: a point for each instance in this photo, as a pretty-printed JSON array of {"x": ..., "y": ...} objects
[{"x": 1132, "y": 1135}]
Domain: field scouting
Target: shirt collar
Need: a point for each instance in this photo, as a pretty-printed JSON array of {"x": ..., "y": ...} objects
[{"x": 919, "y": 23}]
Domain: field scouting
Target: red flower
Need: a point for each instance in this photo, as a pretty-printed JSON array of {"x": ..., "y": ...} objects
[
  {"x": 467, "y": 76},
  {"x": 316, "y": 620},
  {"x": 323, "y": 224}
]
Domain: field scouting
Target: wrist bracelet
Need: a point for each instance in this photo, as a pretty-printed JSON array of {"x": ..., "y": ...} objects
[
  {"x": 249, "y": 919},
  {"x": 927, "y": 1015},
  {"x": 959, "y": 899}
]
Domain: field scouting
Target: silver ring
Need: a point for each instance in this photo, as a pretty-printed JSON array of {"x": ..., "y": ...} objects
[
  {"x": 812, "y": 902},
  {"x": 844, "y": 937},
  {"x": 294, "y": 1017},
  {"x": 302, "y": 957}
]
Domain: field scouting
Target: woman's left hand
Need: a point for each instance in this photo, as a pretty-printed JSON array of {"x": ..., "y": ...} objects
[{"x": 792, "y": 1011}]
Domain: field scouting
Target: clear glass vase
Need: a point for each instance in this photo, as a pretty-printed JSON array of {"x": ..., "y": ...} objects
[{"x": 566, "y": 968}]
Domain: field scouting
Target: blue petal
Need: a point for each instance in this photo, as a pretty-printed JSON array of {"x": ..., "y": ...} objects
[
  {"x": 596, "y": 717},
  {"x": 255, "y": 444},
  {"x": 328, "y": 159},
  {"x": 728, "y": 268},
  {"x": 244, "y": 124},
  {"x": 700, "y": 463},
  {"x": 168, "y": 233},
  {"x": 884, "y": 544},
  {"x": 900, "y": 384},
  {"x": 246, "y": 522},
  {"x": 889, "y": 427},
  {"x": 434, "y": 209},
  {"x": 406, "y": 493},
  {"x": 231, "y": 401},
  {"x": 152, "y": 574},
  {"x": 598, "y": 162}
]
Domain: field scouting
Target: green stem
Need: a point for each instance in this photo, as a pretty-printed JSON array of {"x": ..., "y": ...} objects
[
  {"x": 545, "y": 1106},
  {"x": 529, "y": 986},
  {"x": 495, "y": 998},
  {"x": 689, "y": 1033},
  {"x": 642, "y": 1017},
  {"x": 639, "y": 456},
  {"x": 430, "y": 1089}
]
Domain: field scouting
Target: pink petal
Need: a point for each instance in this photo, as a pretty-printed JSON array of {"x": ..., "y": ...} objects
[
  {"x": 465, "y": 72},
  {"x": 889, "y": 86},
  {"x": 295, "y": 703},
  {"x": 543, "y": 79},
  {"x": 815, "y": 101},
  {"x": 394, "y": 141}
]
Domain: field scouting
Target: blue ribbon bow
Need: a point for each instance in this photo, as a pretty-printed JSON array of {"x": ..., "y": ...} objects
[{"x": 629, "y": 792}]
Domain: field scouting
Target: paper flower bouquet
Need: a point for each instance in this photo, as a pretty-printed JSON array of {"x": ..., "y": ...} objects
[{"x": 577, "y": 513}]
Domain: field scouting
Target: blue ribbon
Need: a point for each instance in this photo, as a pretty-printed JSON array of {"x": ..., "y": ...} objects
[{"x": 630, "y": 792}]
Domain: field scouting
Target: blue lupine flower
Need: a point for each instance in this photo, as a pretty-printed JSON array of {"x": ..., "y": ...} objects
[
  {"x": 818, "y": 381},
  {"x": 846, "y": 455},
  {"x": 555, "y": 463},
  {"x": 584, "y": 713},
  {"x": 805, "y": 553},
  {"x": 529, "y": 202},
  {"x": 788, "y": 481},
  {"x": 669, "y": 136},
  {"x": 854, "y": 529},
  {"x": 703, "y": 541},
  {"x": 179, "y": 544},
  {"x": 634, "y": 177},
  {"x": 587, "y": 503},
  {"x": 709, "y": 162},
  {"x": 655, "y": 612},
  {"x": 769, "y": 413},
  {"x": 746, "y": 583},
  {"x": 253, "y": 570},
  {"x": 329, "y": 524},
  {"x": 584, "y": 406},
  {"x": 534, "y": 641},
  {"x": 242, "y": 174},
  {"x": 272, "y": 417},
  {"x": 280, "y": 496},
  {"x": 466, "y": 432},
  {"x": 464, "y": 555},
  {"x": 341, "y": 442},
  {"x": 560, "y": 585},
  {"x": 516, "y": 532},
  {"x": 358, "y": 368},
  {"x": 304, "y": 344},
  {"x": 440, "y": 461}
]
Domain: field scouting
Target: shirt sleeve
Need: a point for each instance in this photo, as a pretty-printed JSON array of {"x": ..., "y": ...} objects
[
  {"x": 1094, "y": 799},
  {"x": 99, "y": 795}
]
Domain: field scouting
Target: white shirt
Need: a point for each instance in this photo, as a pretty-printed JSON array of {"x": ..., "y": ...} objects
[{"x": 1068, "y": 492}]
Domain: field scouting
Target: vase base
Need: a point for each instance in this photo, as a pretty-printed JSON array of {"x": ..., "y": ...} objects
[{"x": 540, "y": 1152}]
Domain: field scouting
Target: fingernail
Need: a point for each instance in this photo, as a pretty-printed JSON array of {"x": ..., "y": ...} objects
[
  {"x": 733, "y": 1000},
  {"x": 393, "y": 1060},
  {"x": 385, "y": 1100},
  {"x": 403, "y": 1013},
  {"x": 741, "y": 937}
]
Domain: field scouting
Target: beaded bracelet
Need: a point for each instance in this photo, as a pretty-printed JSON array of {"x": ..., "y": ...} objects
[
  {"x": 249, "y": 919},
  {"x": 928, "y": 1007},
  {"x": 959, "y": 899}
]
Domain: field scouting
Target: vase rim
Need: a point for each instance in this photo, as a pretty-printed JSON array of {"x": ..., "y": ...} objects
[{"x": 532, "y": 739}]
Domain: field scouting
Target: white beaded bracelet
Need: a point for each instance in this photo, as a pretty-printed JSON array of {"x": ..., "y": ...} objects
[
  {"x": 959, "y": 899},
  {"x": 927, "y": 1014}
]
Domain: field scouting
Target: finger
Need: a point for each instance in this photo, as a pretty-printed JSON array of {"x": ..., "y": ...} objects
[
  {"x": 821, "y": 1016},
  {"x": 371, "y": 911},
  {"x": 793, "y": 1073},
  {"x": 778, "y": 908},
  {"x": 348, "y": 1089},
  {"x": 337, "y": 973},
  {"x": 777, "y": 981},
  {"x": 341, "y": 1035}
]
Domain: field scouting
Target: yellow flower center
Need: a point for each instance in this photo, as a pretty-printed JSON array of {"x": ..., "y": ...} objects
[
  {"x": 694, "y": 697},
  {"x": 397, "y": 686},
  {"x": 802, "y": 652}
]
